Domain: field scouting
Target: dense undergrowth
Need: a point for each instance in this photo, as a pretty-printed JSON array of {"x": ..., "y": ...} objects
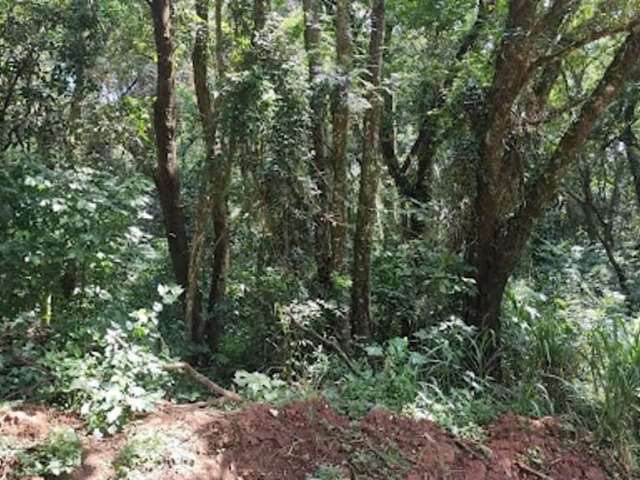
[
  {"x": 286, "y": 216},
  {"x": 568, "y": 350}
]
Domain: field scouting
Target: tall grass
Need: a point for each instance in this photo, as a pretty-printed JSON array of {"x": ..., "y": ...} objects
[{"x": 615, "y": 370}]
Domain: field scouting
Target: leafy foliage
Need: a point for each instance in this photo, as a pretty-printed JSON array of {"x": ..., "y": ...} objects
[
  {"x": 60, "y": 453},
  {"x": 84, "y": 238}
]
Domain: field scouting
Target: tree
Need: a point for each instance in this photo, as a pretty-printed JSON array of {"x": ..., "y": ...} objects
[
  {"x": 632, "y": 145},
  {"x": 340, "y": 136},
  {"x": 360, "y": 316},
  {"x": 503, "y": 221},
  {"x": 413, "y": 176},
  {"x": 320, "y": 165},
  {"x": 167, "y": 176}
]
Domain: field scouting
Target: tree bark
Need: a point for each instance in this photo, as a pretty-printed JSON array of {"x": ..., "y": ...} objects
[
  {"x": 167, "y": 176},
  {"x": 195, "y": 328},
  {"x": 340, "y": 134},
  {"x": 221, "y": 256},
  {"x": 361, "y": 321},
  {"x": 320, "y": 170},
  {"x": 503, "y": 228}
]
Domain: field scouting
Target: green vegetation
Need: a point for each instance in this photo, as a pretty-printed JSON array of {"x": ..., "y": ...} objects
[
  {"x": 432, "y": 207},
  {"x": 139, "y": 454},
  {"x": 59, "y": 453}
]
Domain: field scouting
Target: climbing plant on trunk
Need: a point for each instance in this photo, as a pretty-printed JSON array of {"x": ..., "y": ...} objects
[{"x": 360, "y": 315}]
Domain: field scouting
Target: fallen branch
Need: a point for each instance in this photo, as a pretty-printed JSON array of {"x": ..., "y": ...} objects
[
  {"x": 202, "y": 380},
  {"x": 333, "y": 345},
  {"x": 533, "y": 472}
]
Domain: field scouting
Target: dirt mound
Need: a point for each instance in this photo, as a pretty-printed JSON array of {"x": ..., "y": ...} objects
[
  {"x": 308, "y": 440},
  {"x": 303, "y": 439}
]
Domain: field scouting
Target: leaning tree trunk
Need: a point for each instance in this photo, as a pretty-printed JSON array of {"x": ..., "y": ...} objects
[
  {"x": 166, "y": 176},
  {"x": 361, "y": 321},
  {"x": 340, "y": 135},
  {"x": 320, "y": 171}
]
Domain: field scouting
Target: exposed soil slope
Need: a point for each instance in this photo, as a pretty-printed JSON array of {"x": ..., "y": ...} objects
[{"x": 309, "y": 440}]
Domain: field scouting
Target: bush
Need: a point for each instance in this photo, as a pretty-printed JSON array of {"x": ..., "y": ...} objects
[
  {"x": 120, "y": 372},
  {"x": 60, "y": 453}
]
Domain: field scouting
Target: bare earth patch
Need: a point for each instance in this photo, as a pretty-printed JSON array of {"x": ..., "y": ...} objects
[{"x": 306, "y": 440}]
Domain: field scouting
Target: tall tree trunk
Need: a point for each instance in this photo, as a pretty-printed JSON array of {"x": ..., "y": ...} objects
[
  {"x": 320, "y": 171},
  {"x": 218, "y": 170},
  {"x": 502, "y": 228},
  {"x": 221, "y": 227},
  {"x": 340, "y": 138},
  {"x": 361, "y": 321},
  {"x": 199, "y": 60},
  {"x": 166, "y": 176}
]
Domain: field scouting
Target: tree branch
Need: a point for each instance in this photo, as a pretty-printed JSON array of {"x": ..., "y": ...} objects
[
  {"x": 192, "y": 373},
  {"x": 590, "y": 38},
  {"x": 331, "y": 344}
]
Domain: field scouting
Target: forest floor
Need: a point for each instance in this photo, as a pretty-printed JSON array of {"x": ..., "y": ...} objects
[{"x": 307, "y": 440}]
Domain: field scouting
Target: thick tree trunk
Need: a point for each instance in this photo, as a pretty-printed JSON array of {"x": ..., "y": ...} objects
[
  {"x": 483, "y": 310},
  {"x": 320, "y": 170},
  {"x": 166, "y": 176},
  {"x": 340, "y": 134},
  {"x": 503, "y": 222},
  {"x": 361, "y": 322}
]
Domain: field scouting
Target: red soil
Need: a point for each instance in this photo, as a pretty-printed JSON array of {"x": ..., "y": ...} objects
[{"x": 295, "y": 441}]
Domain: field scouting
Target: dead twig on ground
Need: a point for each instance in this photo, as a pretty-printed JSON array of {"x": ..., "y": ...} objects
[{"x": 192, "y": 373}]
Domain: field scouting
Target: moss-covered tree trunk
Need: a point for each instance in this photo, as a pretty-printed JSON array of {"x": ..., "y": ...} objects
[
  {"x": 340, "y": 135},
  {"x": 320, "y": 168},
  {"x": 361, "y": 321}
]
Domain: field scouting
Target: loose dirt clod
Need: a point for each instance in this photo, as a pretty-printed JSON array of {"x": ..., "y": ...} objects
[{"x": 307, "y": 439}]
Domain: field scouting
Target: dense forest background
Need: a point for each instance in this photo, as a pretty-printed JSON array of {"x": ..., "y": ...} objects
[{"x": 427, "y": 205}]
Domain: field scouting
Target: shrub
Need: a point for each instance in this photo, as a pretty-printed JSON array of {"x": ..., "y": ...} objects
[{"x": 61, "y": 452}]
